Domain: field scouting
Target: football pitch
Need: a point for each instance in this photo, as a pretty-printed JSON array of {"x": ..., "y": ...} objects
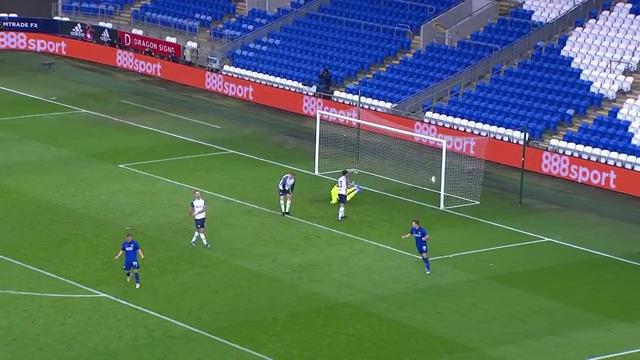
[{"x": 87, "y": 152}]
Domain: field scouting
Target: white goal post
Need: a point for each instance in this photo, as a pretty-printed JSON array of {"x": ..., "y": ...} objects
[{"x": 381, "y": 154}]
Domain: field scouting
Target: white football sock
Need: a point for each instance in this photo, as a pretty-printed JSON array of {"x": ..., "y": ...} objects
[
  {"x": 203, "y": 238},
  {"x": 282, "y": 205},
  {"x": 288, "y": 205},
  {"x": 341, "y": 212},
  {"x": 195, "y": 236}
]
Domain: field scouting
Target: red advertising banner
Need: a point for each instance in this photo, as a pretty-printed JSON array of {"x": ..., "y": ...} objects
[
  {"x": 553, "y": 164},
  {"x": 141, "y": 43}
]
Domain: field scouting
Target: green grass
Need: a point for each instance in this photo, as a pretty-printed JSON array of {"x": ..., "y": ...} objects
[{"x": 289, "y": 289}]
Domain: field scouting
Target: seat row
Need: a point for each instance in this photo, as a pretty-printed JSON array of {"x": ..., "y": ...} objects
[
  {"x": 268, "y": 79},
  {"x": 478, "y": 128},
  {"x": 606, "y": 48},
  {"x": 438, "y": 62},
  {"x": 346, "y": 46},
  {"x": 631, "y": 162},
  {"x": 184, "y": 14},
  {"x": 95, "y": 7},
  {"x": 256, "y": 18}
]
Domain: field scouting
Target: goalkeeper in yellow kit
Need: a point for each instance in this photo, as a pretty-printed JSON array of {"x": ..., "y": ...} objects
[{"x": 351, "y": 192}]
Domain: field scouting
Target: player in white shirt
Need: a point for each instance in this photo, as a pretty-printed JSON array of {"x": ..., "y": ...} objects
[
  {"x": 285, "y": 189},
  {"x": 343, "y": 186},
  {"x": 198, "y": 209}
]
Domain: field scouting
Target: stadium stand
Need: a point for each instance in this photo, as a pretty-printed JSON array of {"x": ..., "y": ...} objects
[
  {"x": 186, "y": 15},
  {"x": 605, "y": 49},
  {"x": 546, "y": 10},
  {"x": 256, "y": 18},
  {"x": 438, "y": 62},
  {"x": 348, "y": 36},
  {"x": 559, "y": 81},
  {"x": 538, "y": 95},
  {"x": 95, "y": 7}
]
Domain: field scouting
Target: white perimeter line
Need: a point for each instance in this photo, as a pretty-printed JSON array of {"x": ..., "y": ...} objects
[
  {"x": 171, "y": 114},
  {"x": 177, "y": 158},
  {"x": 140, "y": 308},
  {"x": 327, "y": 177},
  {"x": 371, "y": 242},
  {"x": 40, "y": 115},
  {"x": 615, "y": 355},
  {"x": 50, "y": 295}
]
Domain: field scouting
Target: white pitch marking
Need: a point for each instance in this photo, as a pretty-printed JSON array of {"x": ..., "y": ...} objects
[
  {"x": 137, "y": 307},
  {"x": 41, "y": 115},
  {"x": 609, "y": 356},
  {"x": 258, "y": 207},
  {"x": 12, "y": 292},
  {"x": 171, "y": 114},
  {"x": 490, "y": 249},
  {"x": 371, "y": 242},
  {"x": 311, "y": 173},
  {"x": 177, "y": 158}
]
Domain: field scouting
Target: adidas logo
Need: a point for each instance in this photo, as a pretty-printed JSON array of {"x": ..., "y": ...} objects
[
  {"x": 105, "y": 36},
  {"x": 77, "y": 31}
]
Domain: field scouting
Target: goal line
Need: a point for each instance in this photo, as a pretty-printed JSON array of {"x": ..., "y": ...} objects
[{"x": 416, "y": 161}]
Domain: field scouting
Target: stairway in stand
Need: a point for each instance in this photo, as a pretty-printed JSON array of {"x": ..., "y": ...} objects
[
  {"x": 124, "y": 16},
  {"x": 415, "y": 46},
  {"x": 593, "y": 113}
]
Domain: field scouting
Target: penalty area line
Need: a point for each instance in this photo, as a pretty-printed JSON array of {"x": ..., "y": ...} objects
[
  {"x": 177, "y": 158},
  {"x": 137, "y": 307},
  {"x": 490, "y": 249},
  {"x": 326, "y": 228},
  {"x": 42, "y": 115},
  {"x": 609, "y": 356},
  {"x": 12, "y": 292}
]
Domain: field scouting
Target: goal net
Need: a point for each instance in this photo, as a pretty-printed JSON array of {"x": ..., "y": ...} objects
[{"x": 445, "y": 172}]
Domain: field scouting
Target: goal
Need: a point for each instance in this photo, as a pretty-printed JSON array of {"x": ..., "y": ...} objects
[{"x": 444, "y": 172}]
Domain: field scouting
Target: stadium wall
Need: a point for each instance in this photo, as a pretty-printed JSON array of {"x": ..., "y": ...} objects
[
  {"x": 543, "y": 162},
  {"x": 34, "y": 8}
]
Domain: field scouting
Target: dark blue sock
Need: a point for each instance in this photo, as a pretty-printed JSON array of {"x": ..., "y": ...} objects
[
  {"x": 426, "y": 264},
  {"x": 137, "y": 278},
  {"x": 128, "y": 274}
]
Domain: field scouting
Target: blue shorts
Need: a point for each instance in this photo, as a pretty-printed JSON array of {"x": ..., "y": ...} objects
[
  {"x": 342, "y": 199},
  {"x": 422, "y": 248},
  {"x": 284, "y": 192},
  {"x": 199, "y": 223},
  {"x": 131, "y": 264}
]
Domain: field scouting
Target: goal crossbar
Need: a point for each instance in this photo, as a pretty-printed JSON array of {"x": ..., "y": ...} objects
[{"x": 385, "y": 131}]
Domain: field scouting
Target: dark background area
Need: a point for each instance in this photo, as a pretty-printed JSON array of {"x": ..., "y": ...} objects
[{"x": 27, "y": 8}]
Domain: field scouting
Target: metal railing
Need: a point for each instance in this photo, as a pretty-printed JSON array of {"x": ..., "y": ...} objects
[
  {"x": 221, "y": 51},
  {"x": 450, "y": 35},
  {"x": 519, "y": 48}
]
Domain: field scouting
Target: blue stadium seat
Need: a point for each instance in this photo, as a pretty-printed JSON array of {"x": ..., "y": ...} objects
[
  {"x": 539, "y": 95},
  {"x": 95, "y": 7},
  {"x": 439, "y": 62},
  {"x": 256, "y": 18},
  {"x": 347, "y": 36},
  {"x": 184, "y": 15}
]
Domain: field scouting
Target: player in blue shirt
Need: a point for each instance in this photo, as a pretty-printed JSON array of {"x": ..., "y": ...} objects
[
  {"x": 131, "y": 250},
  {"x": 422, "y": 236}
]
